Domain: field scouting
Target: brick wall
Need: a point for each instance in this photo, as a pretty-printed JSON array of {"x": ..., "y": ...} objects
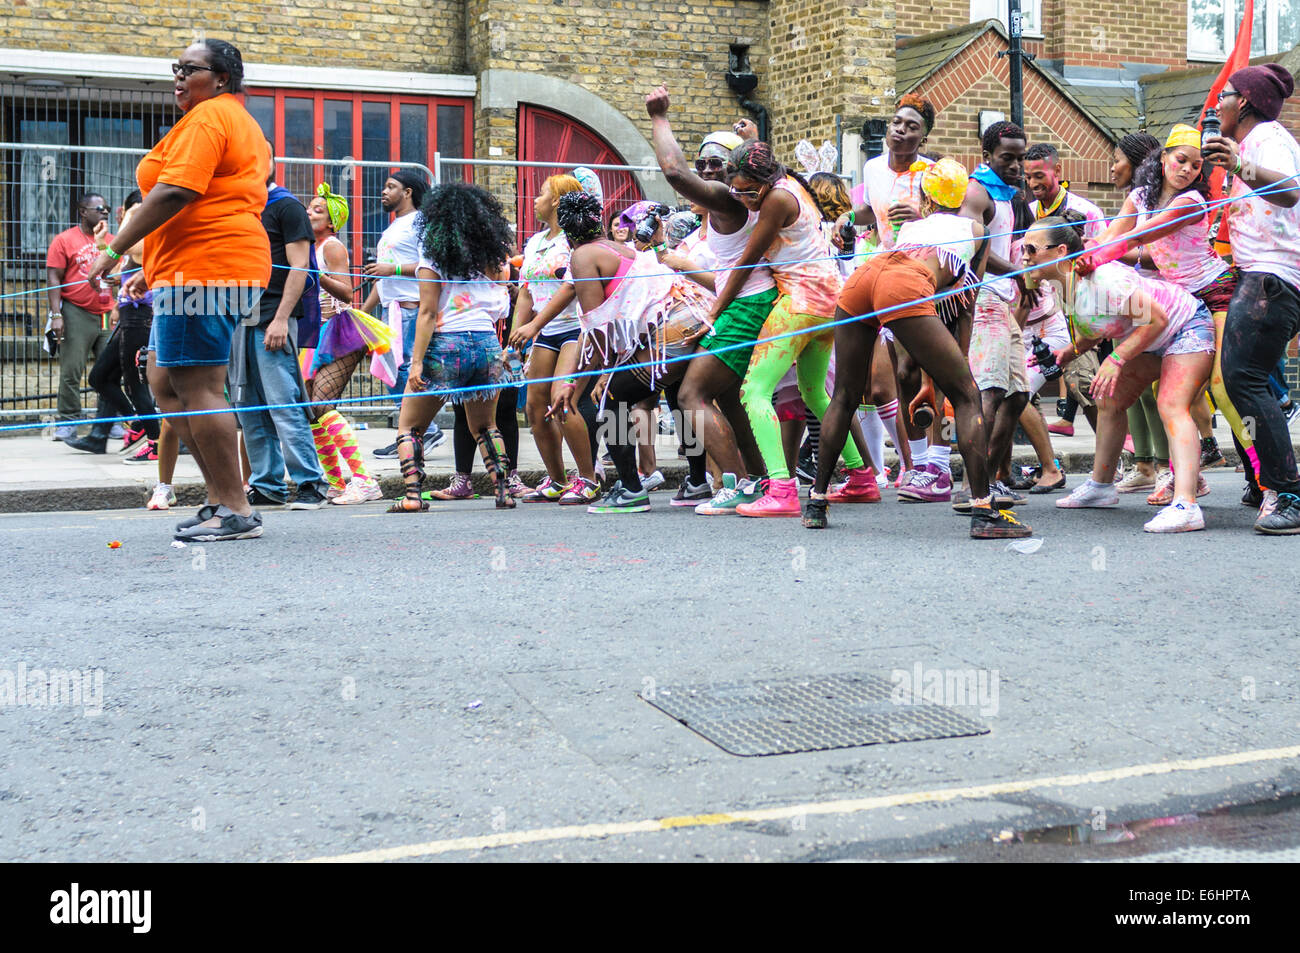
[
  {"x": 621, "y": 52},
  {"x": 978, "y": 80},
  {"x": 1110, "y": 33},
  {"x": 828, "y": 58},
  {"x": 403, "y": 35}
]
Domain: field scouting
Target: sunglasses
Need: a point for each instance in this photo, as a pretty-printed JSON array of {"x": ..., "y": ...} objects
[
  {"x": 186, "y": 70},
  {"x": 95, "y": 208},
  {"x": 744, "y": 193},
  {"x": 710, "y": 164},
  {"x": 1034, "y": 249}
]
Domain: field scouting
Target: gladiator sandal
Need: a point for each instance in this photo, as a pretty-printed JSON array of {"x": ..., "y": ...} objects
[
  {"x": 411, "y": 460},
  {"x": 497, "y": 464}
]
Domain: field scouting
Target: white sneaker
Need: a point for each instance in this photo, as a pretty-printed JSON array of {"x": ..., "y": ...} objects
[
  {"x": 1177, "y": 517},
  {"x": 652, "y": 482},
  {"x": 65, "y": 432},
  {"x": 116, "y": 432},
  {"x": 359, "y": 491},
  {"x": 1269, "y": 504},
  {"x": 1090, "y": 494},
  {"x": 163, "y": 497}
]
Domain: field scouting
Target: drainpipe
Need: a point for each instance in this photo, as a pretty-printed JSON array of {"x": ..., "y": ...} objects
[{"x": 743, "y": 81}]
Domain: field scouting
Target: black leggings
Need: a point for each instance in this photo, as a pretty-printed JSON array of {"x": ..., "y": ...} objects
[
  {"x": 116, "y": 366},
  {"x": 464, "y": 443},
  {"x": 1263, "y": 317},
  {"x": 625, "y": 391}
]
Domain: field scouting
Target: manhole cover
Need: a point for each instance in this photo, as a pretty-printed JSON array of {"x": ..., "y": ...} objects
[{"x": 784, "y": 716}]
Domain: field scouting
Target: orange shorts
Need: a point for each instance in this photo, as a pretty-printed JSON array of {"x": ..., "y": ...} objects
[{"x": 889, "y": 280}]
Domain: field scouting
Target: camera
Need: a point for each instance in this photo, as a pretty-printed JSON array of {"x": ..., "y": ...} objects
[
  {"x": 1046, "y": 360},
  {"x": 647, "y": 226}
]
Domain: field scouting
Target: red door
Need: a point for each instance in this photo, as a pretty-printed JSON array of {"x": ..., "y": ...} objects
[{"x": 546, "y": 136}]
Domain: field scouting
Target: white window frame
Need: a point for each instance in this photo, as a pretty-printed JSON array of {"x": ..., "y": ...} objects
[
  {"x": 1031, "y": 12},
  {"x": 1229, "y": 35}
]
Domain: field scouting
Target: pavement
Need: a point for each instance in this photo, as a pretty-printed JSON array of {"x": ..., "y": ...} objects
[
  {"x": 474, "y": 685},
  {"x": 39, "y": 474}
]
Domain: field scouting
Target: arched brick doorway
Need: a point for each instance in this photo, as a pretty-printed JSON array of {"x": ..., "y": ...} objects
[{"x": 549, "y": 136}]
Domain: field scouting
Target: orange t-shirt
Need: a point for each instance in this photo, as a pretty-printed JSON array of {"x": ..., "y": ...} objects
[{"x": 216, "y": 149}]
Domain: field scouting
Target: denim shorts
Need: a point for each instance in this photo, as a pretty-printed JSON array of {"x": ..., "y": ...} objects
[
  {"x": 466, "y": 362},
  {"x": 1194, "y": 337},
  {"x": 193, "y": 324}
]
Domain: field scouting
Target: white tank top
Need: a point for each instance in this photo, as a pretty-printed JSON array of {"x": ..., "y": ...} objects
[
  {"x": 801, "y": 259},
  {"x": 329, "y": 305},
  {"x": 999, "y": 232},
  {"x": 728, "y": 249}
]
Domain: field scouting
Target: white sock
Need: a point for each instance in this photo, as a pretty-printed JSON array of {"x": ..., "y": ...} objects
[
  {"x": 920, "y": 449},
  {"x": 874, "y": 430},
  {"x": 889, "y": 417},
  {"x": 941, "y": 457}
]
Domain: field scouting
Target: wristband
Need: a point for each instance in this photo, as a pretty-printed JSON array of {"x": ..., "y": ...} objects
[
  {"x": 571, "y": 382},
  {"x": 1237, "y": 170},
  {"x": 111, "y": 254},
  {"x": 851, "y": 221},
  {"x": 1112, "y": 356},
  {"x": 399, "y": 271}
]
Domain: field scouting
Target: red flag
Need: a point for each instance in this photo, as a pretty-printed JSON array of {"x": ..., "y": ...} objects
[{"x": 1238, "y": 58}]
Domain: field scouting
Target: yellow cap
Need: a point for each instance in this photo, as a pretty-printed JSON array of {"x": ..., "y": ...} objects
[
  {"x": 1183, "y": 135},
  {"x": 945, "y": 182}
]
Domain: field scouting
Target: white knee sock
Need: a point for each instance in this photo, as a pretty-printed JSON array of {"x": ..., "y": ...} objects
[
  {"x": 941, "y": 457},
  {"x": 889, "y": 418},
  {"x": 874, "y": 430},
  {"x": 920, "y": 449}
]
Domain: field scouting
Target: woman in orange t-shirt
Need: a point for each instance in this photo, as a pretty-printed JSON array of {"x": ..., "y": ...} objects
[{"x": 207, "y": 259}]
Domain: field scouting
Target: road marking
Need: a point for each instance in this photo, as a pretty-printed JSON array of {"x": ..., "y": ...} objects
[{"x": 850, "y": 806}]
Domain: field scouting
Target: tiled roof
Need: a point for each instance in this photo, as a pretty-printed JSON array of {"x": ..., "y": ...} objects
[
  {"x": 1113, "y": 107},
  {"x": 919, "y": 56},
  {"x": 1179, "y": 96}
]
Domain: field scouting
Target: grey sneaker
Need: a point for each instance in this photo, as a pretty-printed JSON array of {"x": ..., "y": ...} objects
[
  {"x": 653, "y": 481},
  {"x": 1090, "y": 494},
  {"x": 233, "y": 526},
  {"x": 1004, "y": 497},
  {"x": 308, "y": 497},
  {"x": 1284, "y": 520},
  {"x": 205, "y": 513},
  {"x": 688, "y": 494}
]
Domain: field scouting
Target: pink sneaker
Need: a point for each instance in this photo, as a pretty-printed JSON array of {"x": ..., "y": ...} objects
[
  {"x": 860, "y": 487},
  {"x": 927, "y": 488},
  {"x": 781, "y": 499}
]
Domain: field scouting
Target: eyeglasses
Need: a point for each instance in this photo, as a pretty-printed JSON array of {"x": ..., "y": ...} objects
[
  {"x": 186, "y": 70},
  {"x": 1033, "y": 249},
  {"x": 744, "y": 193},
  {"x": 1224, "y": 94},
  {"x": 710, "y": 164}
]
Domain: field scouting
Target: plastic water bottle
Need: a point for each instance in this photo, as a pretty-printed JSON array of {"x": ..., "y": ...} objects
[{"x": 514, "y": 365}]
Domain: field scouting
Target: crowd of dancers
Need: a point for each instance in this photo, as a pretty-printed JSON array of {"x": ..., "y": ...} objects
[{"x": 925, "y": 308}]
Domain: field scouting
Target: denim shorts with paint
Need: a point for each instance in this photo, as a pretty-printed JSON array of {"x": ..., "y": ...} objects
[
  {"x": 1194, "y": 337},
  {"x": 468, "y": 363}
]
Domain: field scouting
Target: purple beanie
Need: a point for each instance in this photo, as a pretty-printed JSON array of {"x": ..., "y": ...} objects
[{"x": 1264, "y": 87}]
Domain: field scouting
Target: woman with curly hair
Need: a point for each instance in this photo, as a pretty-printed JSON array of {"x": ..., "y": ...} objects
[
  {"x": 1167, "y": 213},
  {"x": 546, "y": 316},
  {"x": 635, "y": 310},
  {"x": 464, "y": 253},
  {"x": 788, "y": 235}
]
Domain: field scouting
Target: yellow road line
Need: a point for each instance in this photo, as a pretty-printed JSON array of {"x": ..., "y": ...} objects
[{"x": 850, "y": 806}]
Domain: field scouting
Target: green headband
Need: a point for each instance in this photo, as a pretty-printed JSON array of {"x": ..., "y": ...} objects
[{"x": 336, "y": 205}]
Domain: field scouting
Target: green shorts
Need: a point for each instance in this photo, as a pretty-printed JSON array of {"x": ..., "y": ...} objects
[{"x": 740, "y": 324}]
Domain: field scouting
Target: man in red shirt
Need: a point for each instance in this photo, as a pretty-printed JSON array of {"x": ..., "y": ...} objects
[{"x": 77, "y": 310}]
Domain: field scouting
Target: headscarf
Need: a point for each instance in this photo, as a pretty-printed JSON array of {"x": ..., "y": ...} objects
[
  {"x": 724, "y": 139},
  {"x": 590, "y": 182},
  {"x": 945, "y": 182},
  {"x": 1183, "y": 135},
  {"x": 637, "y": 211},
  {"x": 678, "y": 226},
  {"x": 336, "y": 205}
]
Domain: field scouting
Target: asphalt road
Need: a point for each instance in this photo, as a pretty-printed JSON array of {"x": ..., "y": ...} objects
[{"x": 466, "y": 684}]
